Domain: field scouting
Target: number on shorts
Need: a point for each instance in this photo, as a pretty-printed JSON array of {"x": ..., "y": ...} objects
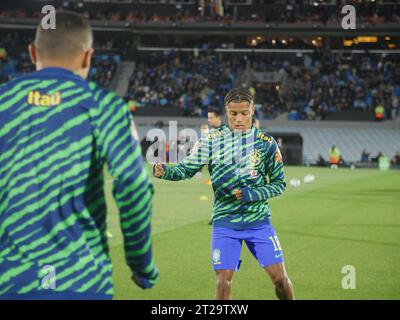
[{"x": 275, "y": 242}]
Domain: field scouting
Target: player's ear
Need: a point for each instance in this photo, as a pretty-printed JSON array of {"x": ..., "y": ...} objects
[
  {"x": 85, "y": 63},
  {"x": 253, "y": 109},
  {"x": 87, "y": 58},
  {"x": 32, "y": 53}
]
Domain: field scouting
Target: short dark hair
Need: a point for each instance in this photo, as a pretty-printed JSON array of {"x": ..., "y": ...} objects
[
  {"x": 217, "y": 112},
  {"x": 239, "y": 95},
  {"x": 72, "y": 35}
]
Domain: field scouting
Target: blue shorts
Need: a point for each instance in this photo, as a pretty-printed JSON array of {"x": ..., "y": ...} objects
[{"x": 262, "y": 241}]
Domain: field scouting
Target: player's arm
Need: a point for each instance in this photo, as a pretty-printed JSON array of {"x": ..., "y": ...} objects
[
  {"x": 189, "y": 166},
  {"x": 275, "y": 172},
  {"x": 132, "y": 189}
]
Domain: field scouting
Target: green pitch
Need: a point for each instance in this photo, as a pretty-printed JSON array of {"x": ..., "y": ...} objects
[{"x": 346, "y": 217}]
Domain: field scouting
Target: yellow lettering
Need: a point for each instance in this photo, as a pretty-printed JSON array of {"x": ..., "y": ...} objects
[
  {"x": 45, "y": 100},
  {"x": 30, "y": 97},
  {"x": 215, "y": 134},
  {"x": 36, "y": 98},
  {"x": 264, "y": 137},
  {"x": 56, "y": 99}
]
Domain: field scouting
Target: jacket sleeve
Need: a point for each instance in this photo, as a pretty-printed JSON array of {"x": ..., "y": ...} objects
[
  {"x": 132, "y": 189},
  {"x": 191, "y": 164}
]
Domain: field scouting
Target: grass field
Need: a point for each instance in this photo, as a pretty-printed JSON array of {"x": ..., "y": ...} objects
[{"x": 346, "y": 217}]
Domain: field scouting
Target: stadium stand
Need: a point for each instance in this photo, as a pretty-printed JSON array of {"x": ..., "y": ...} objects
[
  {"x": 303, "y": 80},
  {"x": 260, "y": 11},
  {"x": 318, "y": 85},
  {"x": 309, "y": 86}
]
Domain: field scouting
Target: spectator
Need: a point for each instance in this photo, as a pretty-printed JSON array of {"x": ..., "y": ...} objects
[
  {"x": 321, "y": 161},
  {"x": 379, "y": 112},
  {"x": 396, "y": 159},
  {"x": 376, "y": 159},
  {"x": 334, "y": 156},
  {"x": 364, "y": 156}
]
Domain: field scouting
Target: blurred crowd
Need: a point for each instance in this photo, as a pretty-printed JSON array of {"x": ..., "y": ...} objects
[
  {"x": 329, "y": 83},
  {"x": 15, "y": 60},
  {"x": 314, "y": 85},
  {"x": 311, "y": 85},
  {"x": 265, "y": 11},
  {"x": 191, "y": 82}
]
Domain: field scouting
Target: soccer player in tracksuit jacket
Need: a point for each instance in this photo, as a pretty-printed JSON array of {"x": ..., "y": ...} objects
[
  {"x": 246, "y": 170},
  {"x": 56, "y": 133}
]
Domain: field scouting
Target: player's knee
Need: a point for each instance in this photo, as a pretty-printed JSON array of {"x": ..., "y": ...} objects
[
  {"x": 279, "y": 280},
  {"x": 224, "y": 283}
]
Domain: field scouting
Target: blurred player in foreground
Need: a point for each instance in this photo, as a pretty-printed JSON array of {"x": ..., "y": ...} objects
[
  {"x": 56, "y": 133},
  {"x": 241, "y": 192}
]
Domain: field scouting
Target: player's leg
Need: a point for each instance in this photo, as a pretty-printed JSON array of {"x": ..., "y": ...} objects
[
  {"x": 283, "y": 286},
  {"x": 265, "y": 247},
  {"x": 223, "y": 289},
  {"x": 225, "y": 250}
]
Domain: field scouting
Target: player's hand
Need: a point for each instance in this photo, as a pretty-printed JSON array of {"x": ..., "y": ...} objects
[
  {"x": 238, "y": 194},
  {"x": 158, "y": 170},
  {"x": 144, "y": 282}
]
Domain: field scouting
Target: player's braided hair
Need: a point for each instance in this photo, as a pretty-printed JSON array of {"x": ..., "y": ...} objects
[{"x": 239, "y": 95}]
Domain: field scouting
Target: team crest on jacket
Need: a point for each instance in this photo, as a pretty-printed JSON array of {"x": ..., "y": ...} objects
[{"x": 255, "y": 157}]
